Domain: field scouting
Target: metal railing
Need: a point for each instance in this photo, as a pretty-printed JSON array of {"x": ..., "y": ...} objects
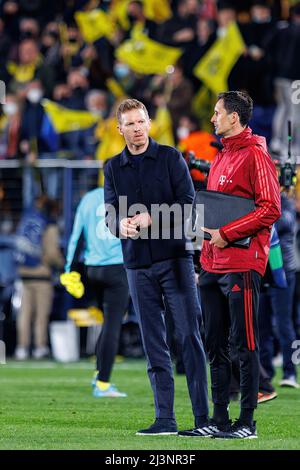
[{"x": 71, "y": 178}]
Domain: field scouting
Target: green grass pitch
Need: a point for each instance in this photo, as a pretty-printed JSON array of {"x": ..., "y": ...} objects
[{"x": 50, "y": 406}]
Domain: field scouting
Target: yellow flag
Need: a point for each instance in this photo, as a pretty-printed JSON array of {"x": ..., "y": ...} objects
[
  {"x": 214, "y": 68},
  {"x": 118, "y": 12},
  {"x": 115, "y": 88},
  {"x": 94, "y": 24},
  {"x": 161, "y": 127},
  {"x": 66, "y": 120},
  {"x": 157, "y": 10},
  {"x": 143, "y": 55}
]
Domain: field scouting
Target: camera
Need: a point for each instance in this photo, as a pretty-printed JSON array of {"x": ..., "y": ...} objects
[
  {"x": 197, "y": 163},
  {"x": 287, "y": 176}
]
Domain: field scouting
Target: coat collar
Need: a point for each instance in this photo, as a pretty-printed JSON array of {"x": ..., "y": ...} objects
[{"x": 151, "y": 152}]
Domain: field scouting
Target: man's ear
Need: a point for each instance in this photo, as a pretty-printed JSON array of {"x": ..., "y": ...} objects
[
  {"x": 235, "y": 117},
  {"x": 119, "y": 129}
]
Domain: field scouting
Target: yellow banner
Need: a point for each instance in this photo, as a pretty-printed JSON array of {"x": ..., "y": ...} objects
[
  {"x": 143, "y": 55},
  {"x": 161, "y": 127},
  {"x": 66, "y": 120},
  {"x": 155, "y": 10},
  {"x": 94, "y": 24},
  {"x": 214, "y": 68}
]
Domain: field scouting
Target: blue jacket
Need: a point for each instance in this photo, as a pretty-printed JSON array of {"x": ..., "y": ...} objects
[
  {"x": 101, "y": 247},
  {"x": 162, "y": 176}
]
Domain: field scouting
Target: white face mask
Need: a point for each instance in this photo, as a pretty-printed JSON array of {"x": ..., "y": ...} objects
[
  {"x": 182, "y": 132},
  {"x": 121, "y": 70},
  {"x": 34, "y": 95},
  {"x": 10, "y": 108}
]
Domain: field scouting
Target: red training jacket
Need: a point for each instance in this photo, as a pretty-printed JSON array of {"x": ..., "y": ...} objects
[{"x": 244, "y": 168}]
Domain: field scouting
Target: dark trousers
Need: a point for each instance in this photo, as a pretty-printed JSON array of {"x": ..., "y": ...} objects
[
  {"x": 230, "y": 306},
  {"x": 277, "y": 303},
  {"x": 265, "y": 384},
  {"x": 110, "y": 287},
  {"x": 170, "y": 282}
]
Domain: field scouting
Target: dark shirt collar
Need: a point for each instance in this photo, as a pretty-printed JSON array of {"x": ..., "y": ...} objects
[{"x": 151, "y": 152}]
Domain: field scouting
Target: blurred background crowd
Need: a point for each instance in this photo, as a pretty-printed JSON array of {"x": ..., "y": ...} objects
[{"x": 67, "y": 64}]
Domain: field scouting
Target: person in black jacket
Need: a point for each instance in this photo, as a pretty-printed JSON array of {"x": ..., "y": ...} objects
[
  {"x": 159, "y": 267},
  {"x": 278, "y": 302}
]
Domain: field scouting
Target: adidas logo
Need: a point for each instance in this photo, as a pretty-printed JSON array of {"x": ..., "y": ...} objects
[
  {"x": 236, "y": 288},
  {"x": 245, "y": 433}
]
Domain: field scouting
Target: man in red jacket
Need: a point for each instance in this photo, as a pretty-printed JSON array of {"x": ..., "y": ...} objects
[{"x": 230, "y": 277}]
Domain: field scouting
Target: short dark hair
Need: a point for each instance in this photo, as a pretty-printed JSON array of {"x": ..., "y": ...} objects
[
  {"x": 239, "y": 102},
  {"x": 128, "y": 105}
]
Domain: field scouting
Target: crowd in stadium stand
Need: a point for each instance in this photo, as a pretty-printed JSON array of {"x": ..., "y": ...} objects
[
  {"x": 64, "y": 76},
  {"x": 46, "y": 52}
]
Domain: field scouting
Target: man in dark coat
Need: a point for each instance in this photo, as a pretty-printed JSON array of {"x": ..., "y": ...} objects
[{"x": 158, "y": 264}]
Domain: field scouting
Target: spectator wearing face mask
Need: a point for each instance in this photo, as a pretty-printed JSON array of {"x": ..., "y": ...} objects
[
  {"x": 35, "y": 145},
  {"x": 32, "y": 142},
  {"x": 29, "y": 29},
  {"x": 78, "y": 85}
]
